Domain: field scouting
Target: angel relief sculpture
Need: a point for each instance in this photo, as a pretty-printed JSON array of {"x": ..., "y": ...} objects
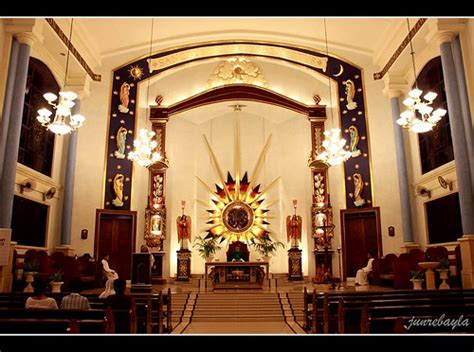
[
  {"x": 124, "y": 100},
  {"x": 350, "y": 93},
  {"x": 118, "y": 190},
  {"x": 121, "y": 140},
  {"x": 358, "y": 187},
  {"x": 354, "y": 134}
]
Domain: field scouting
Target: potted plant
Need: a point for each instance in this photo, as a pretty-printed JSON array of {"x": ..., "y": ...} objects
[
  {"x": 443, "y": 269},
  {"x": 266, "y": 246},
  {"x": 207, "y": 247},
  {"x": 57, "y": 278},
  {"x": 30, "y": 268},
  {"x": 417, "y": 279}
]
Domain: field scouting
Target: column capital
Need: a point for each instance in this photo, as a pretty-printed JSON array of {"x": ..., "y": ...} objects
[
  {"x": 79, "y": 85},
  {"x": 25, "y": 30},
  {"x": 395, "y": 86},
  {"x": 445, "y": 29}
]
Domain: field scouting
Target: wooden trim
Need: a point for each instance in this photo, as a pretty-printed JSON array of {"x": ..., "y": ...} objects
[
  {"x": 234, "y": 92},
  {"x": 98, "y": 214},
  {"x": 343, "y": 212},
  {"x": 403, "y": 44},
  {"x": 73, "y": 50}
]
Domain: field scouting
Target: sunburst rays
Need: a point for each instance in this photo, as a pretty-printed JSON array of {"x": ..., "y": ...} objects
[{"x": 237, "y": 210}]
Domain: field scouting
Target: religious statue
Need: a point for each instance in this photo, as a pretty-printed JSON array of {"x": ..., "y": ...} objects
[
  {"x": 156, "y": 225},
  {"x": 183, "y": 224},
  {"x": 124, "y": 92},
  {"x": 293, "y": 227},
  {"x": 118, "y": 190},
  {"x": 358, "y": 187},
  {"x": 121, "y": 139},
  {"x": 350, "y": 92},
  {"x": 319, "y": 189},
  {"x": 354, "y": 133}
]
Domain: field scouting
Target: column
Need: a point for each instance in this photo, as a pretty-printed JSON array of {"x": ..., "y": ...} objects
[
  {"x": 7, "y": 187},
  {"x": 457, "y": 133},
  {"x": 403, "y": 183},
  {"x": 12, "y": 66},
  {"x": 463, "y": 95},
  {"x": 66, "y": 219}
]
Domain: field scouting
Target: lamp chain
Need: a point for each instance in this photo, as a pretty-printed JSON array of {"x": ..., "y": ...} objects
[
  {"x": 151, "y": 50},
  {"x": 68, "y": 51},
  {"x": 412, "y": 53}
]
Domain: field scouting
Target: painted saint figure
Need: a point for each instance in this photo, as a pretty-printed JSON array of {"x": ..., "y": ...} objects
[
  {"x": 118, "y": 190},
  {"x": 293, "y": 229},
  {"x": 121, "y": 139},
  {"x": 124, "y": 92},
  {"x": 350, "y": 93},
  {"x": 358, "y": 187},
  {"x": 183, "y": 224},
  {"x": 156, "y": 225},
  {"x": 354, "y": 133}
]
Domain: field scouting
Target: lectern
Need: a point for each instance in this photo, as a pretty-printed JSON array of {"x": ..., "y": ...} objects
[{"x": 141, "y": 272}]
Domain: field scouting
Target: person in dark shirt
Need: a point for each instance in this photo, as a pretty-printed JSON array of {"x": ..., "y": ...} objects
[{"x": 120, "y": 304}]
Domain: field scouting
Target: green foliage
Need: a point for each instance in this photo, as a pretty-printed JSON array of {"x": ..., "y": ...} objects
[
  {"x": 443, "y": 264},
  {"x": 206, "y": 246},
  {"x": 57, "y": 276},
  {"x": 266, "y": 247},
  {"x": 417, "y": 275},
  {"x": 31, "y": 266}
]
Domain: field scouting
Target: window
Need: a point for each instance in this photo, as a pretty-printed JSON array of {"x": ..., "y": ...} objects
[
  {"x": 37, "y": 143},
  {"x": 444, "y": 219},
  {"x": 436, "y": 146},
  {"x": 29, "y": 222}
]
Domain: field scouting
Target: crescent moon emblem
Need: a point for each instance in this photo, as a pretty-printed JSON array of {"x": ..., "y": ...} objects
[{"x": 341, "y": 70}]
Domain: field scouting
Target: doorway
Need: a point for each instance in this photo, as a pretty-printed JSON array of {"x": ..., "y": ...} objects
[
  {"x": 361, "y": 234},
  {"x": 115, "y": 233}
]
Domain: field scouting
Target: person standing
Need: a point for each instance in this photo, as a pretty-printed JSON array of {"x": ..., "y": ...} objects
[{"x": 110, "y": 275}]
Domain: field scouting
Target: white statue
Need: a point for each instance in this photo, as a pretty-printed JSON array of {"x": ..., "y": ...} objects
[
  {"x": 118, "y": 189},
  {"x": 354, "y": 134},
  {"x": 121, "y": 139},
  {"x": 124, "y": 92},
  {"x": 358, "y": 187}
]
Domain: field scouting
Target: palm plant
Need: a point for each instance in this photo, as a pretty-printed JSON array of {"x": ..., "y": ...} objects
[
  {"x": 265, "y": 246},
  {"x": 207, "y": 247}
]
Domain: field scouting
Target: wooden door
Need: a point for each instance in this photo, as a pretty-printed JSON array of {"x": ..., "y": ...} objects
[
  {"x": 361, "y": 233},
  {"x": 115, "y": 234}
]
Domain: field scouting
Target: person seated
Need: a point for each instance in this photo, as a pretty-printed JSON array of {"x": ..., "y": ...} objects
[
  {"x": 120, "y": 302},
  {"x": 362, "y": 274},
  {"x": 74, "y": 300},
  {"x": 237, "y": 255},
  {"x": 39, "y": 299}
]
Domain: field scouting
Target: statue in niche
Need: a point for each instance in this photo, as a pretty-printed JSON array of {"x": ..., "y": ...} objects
[
  {"x": 354, "y": 134},
  {"x": 156, "y": 222},
  {"x": 350, "y": 92},
  {"x": 121, "y": 139},
  {"x": 118, "y": 190},
  {"x": 358, "y": 187},
  {"x": 124, "y": 92}
]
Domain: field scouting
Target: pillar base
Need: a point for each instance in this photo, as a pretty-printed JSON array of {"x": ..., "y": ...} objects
[
  {"x": 408, "y": 246},
  {"x": 6, "y": 277},
  {"x": 466, "y": 243},
  {"x": 66, "y": 249}
]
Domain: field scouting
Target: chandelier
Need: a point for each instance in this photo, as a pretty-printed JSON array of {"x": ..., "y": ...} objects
[
  {"x": 429, "y": 118},
  {"x": 144, "y": 153},
  {"x": 63, "y": 122},
  {"x": 334, "y": 152}
]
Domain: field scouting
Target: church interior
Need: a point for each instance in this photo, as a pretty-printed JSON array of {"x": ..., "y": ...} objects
[{"x": 238, "y": 175}]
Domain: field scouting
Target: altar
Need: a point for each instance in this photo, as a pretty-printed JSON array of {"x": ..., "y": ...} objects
[{"x": 243, "y": 275}]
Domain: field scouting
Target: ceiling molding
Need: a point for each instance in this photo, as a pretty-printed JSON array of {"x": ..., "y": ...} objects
[
  {"x": 386, "y": 44},
  {"x": 164, "y": 43}
]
